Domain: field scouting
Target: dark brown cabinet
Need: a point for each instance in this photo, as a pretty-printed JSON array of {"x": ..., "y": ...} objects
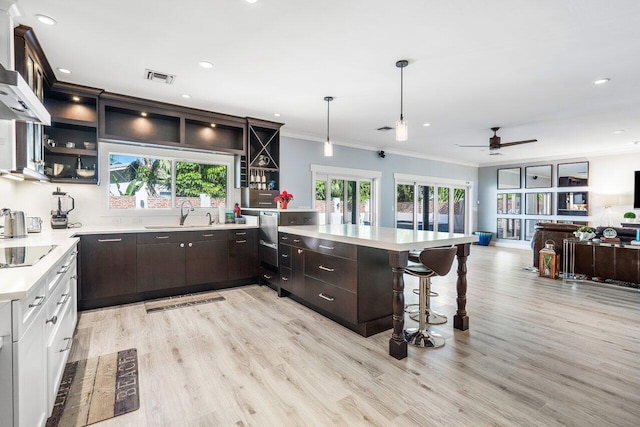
[
  {"x": 71, "y": 142},
  {"x": 243, "y": 254},
  {"x": 347, "y": 283},
  {"x": 179, "y": 259},
  {"x": 161, "y": 259},
  {"x": 107, "y": 269},
  {"x": 259, "y": 170}
]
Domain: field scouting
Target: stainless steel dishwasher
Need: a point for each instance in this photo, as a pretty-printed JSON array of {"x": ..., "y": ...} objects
[{"x": 269, "y": 237}]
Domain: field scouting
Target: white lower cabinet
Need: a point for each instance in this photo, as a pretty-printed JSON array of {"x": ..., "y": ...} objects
[{"x": 43, "y": 326}]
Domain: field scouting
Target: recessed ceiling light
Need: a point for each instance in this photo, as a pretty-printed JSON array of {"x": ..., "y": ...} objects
[
  {"x": 205, "y": 64},
  {"x": 185, "y": 96},
  {"x": 213, "y": 125},
  {"x": 251, "y": 1},
  {"x": 143, "y": 114},
  {"x": 76, "y": 98},
  {"x": 46, "y": 19},
  {"x": 277, "y": 114},
  {"x": 601, "y": 81},
  {"x": 64, "y": 70},
  {"x": 618, "y": 131},
  {"x": 426, "y": 124}
]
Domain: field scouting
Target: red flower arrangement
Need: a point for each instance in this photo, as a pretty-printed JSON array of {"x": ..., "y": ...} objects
[{"x": 283, "y": 197}]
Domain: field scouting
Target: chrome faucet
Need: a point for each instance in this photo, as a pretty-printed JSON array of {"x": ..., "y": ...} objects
[
  {"x": 211, "y": 221},
  {"x": 183, "y": 215}
]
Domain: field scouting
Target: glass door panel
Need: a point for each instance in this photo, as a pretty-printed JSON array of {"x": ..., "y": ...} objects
[
  {"x": 459, "y": 208},
  {"x": 364, "y": 203},
  {"x": 320, "y": 202},
  {"x": 337, "y": 202},
  {"x": 404, "y": 207},
  {"x": 443, "y": 209}
]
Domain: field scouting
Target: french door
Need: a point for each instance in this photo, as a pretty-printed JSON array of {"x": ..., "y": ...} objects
[
  {"x": 426, "y": 204},
  {"x": 344, "y": 200}
]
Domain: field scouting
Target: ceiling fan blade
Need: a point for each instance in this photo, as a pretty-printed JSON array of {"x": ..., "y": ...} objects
[
  {"x": 481, "y": 146},
  {"x": 506, "y": 144}
]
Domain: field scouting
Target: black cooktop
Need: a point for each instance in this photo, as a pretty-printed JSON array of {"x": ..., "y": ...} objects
[{"x": 22, "y": 256}]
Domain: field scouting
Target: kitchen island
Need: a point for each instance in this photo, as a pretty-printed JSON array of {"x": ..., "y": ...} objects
[{"x": 397, "y": 243}]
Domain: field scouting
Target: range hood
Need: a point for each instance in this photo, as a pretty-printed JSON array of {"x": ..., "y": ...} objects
[{"x": 17, "y": 100}]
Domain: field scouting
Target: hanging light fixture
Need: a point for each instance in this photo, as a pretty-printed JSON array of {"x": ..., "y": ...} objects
[
  {"x": 328, "y": 146},
  {"x": 402, "y": 128}
]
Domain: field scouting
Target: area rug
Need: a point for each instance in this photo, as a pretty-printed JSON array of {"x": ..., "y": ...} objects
[
  {"x": 181, "y": 301},
  {"x": 97, "y": 389}
]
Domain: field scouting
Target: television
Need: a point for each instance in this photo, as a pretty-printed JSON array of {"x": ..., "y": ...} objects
[{"x": 636, "y": 192}]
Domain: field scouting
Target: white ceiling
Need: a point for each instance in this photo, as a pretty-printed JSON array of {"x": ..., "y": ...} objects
[{"x": 524, "y": 65}]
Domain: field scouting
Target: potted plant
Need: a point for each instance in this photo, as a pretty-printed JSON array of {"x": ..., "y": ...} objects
[
  {"x": 584, "y": 233},
  {"x": 629, "y": 216},
  {"x": 283, "y": 199}
]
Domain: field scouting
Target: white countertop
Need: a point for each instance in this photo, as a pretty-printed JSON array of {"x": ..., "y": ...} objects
[
  {"x": 392, "y": 239},
  {"x": 280, "y": 210},
  {"x": 15, "y": 283}
]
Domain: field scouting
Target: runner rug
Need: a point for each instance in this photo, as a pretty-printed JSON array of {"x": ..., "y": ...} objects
[{"x": 97, "y": 389}]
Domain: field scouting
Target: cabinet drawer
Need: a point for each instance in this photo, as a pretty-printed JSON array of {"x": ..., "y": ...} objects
[
  {"x": 285, "y": 278},
  {"x": 338, "y": 271},
  {"x": 298, "y": 218},
  {"x": 27, "y": 309},
  {"x": 258, "y": 198},
  {"x": 284, "y": 256},
  {"x": 268, "y": 275},
  {"x": 331, "y": 298},
  {"x": 202, "y": 235},
  {"x": 60, "y": 338},
  {"x": 293, "y": 240},
  {"x": 65, "y": 268},
  {"x": 335, "y": 248},
  {"x": 241, "y": 234},
  {"x": 166, "y": 237}
]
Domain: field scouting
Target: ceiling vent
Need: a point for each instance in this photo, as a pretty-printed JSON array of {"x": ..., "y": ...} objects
[
  {"x": 385, "y": 128},
  {"x": 157, "y": 76}
]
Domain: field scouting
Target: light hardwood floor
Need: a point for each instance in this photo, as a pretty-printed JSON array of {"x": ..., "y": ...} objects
[{"x": 538, "y": 352}]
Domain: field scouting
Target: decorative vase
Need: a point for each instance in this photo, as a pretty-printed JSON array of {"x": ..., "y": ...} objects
[{"x": 283, "y": 204}]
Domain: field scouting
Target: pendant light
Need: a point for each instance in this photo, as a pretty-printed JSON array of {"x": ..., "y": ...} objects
[
  {"x": 328, "y": 146},
  {"x": 402, "y": 128}
]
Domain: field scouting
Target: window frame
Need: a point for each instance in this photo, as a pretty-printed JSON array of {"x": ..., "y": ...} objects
[{"x": 168, "y": 153}]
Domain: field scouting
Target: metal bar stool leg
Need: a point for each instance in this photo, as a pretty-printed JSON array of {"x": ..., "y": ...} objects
[{"x": 423, "y": 338}]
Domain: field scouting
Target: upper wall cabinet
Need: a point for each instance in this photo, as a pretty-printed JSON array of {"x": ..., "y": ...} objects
[
  {"x": 263, "y": 163},
  {"x": 128, "y": 119},
  {"x": 71, "y": 142}
]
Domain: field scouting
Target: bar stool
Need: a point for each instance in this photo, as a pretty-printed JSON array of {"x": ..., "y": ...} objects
[
  {"x": 433, "y": 262},
  {"x": 433, "y": 317}
]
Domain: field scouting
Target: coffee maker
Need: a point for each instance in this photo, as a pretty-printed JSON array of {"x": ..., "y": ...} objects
[{"x": 62, "y": 204}]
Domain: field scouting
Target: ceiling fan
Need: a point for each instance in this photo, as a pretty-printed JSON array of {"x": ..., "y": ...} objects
[{"x": 495, "y": 145}]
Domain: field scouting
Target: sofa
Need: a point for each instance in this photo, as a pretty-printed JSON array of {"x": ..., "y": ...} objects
[{"x": 550, "y": 231}]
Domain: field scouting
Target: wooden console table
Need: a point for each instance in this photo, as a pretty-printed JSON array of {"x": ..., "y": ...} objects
[
  {"x": 588, "y": 259},
  {"x": 398, "y": 242}
]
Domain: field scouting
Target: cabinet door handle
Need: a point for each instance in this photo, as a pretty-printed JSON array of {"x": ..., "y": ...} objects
[
  {"x": 182, "y": 245},
  {"x": 326, "y": 297},
  {"x": 285, "y": 256},
  {"x": 69, "y": 341},
  {"x": 266, "y": 276},
  {"x": 264, "y": 194},
  {"x": 265, "y": 203},
  {"x": 326, "y": 247},
  {"x": 207, "y": 235},
  {"x": 65, "y": 298},
  {"x": 190, "y": 244},
  {"x": 241, "y": 233},
  {"x": 241, "y": 241},
  {"x": 284, "y": 238},
  {"x": 285, "y": 278},
  {"x": 330, "y": 270},
  {"x": 296, "y": 240},
  {"x": 53, "y": 320},
  {"x": 39, "y": 299},
  {"x": 64, "y": 269},
  {"x": 300, "y": 251},
  {"x": 109, "y": 240},
  {"x": 74, "y": 277},
  {"x": 162, "y": 237}
]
